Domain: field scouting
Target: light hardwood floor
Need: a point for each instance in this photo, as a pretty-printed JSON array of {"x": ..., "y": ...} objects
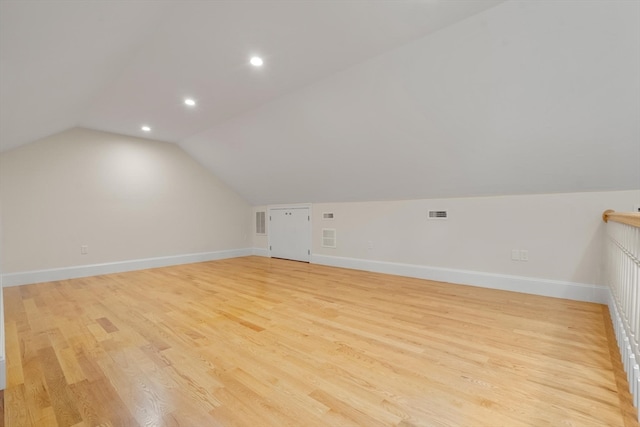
[{"x": 265, "y": 342}]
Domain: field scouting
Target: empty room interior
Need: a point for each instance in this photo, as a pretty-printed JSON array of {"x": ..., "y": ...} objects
[{"x": 417, "y": 213}]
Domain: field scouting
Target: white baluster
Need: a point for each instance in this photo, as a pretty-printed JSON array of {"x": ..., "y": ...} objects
[{"x": 622, "y": 270}]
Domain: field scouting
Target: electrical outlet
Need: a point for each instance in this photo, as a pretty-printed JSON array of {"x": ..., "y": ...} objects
[
  {"x": 369, "y": 245},
  {"x": 515, "y": 255},
  {"x": 524, "y": 255},
  {"x": 84, "y": 249}
]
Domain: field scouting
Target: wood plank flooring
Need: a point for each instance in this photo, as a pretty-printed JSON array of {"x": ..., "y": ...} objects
[{"x": 264, "y": 342}]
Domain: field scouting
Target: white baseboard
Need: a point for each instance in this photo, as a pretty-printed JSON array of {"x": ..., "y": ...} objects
[
  {"x": 3, "y": 357},
  {"x": 630, "y": 356},
  {"x": 527, "y": 285},
  {"x": 38, "y": 276},
  {"x": 260, "y": 252},
  {"x": 552, "y": 288}
]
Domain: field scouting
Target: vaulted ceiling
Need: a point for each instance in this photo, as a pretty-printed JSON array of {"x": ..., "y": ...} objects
[{"x": 357, "y": 100}]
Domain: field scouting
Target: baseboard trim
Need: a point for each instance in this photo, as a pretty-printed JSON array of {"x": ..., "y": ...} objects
[
  {"x": 630, "y": 357},
  {"x": 260, "y": 252},
  {"x": 38, "y": 276},
  {"x": 527, "y": 285}
]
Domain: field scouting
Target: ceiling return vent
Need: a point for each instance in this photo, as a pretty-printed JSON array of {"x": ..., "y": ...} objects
[
  {"x": 438, "y": 215},
  {"x": 328, "y": 237}
]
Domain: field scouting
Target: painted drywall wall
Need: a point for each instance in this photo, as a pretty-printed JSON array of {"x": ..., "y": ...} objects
[
  {"x": 562, "y": 233},
  {"x": 528, "y": 97},
  {"x": 124, "y": 198}
]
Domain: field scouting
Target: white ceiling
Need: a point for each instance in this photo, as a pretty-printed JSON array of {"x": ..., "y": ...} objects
[
  {"x": 358, "y": 100},
  {"x": 113, "y": 65}
]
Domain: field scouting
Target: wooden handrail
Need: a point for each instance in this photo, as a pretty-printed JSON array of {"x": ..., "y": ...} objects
[{"x": 629, "y": 218}]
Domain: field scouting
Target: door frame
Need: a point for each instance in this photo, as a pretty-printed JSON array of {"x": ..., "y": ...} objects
[{"x": 291, "y": 206}]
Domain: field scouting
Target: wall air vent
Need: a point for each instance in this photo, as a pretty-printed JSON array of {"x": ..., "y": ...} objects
[
  {"x": 260, "y": 223},
  {"x": 327, "y": 215},
  {"x": 328, "y": 237},
  {"x": 437, "y": 215}
]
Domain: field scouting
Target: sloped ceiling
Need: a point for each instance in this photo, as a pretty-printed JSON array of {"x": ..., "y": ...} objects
[{"x": 358, "y": 100}]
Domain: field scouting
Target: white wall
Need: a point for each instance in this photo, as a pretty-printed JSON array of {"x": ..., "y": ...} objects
[
  {"x": 125, "y": 198},
  {"x": 563, "y": 234}
]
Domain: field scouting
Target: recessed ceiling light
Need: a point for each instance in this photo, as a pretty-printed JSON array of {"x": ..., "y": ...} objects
[
  {"x": 190, "y": 102},
  {"x": 256, "y": 61},
  {"x": 146, "y": 128}
]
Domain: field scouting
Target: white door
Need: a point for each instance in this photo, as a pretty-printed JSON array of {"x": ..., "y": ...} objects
[{"x": 290, "y": 233}]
